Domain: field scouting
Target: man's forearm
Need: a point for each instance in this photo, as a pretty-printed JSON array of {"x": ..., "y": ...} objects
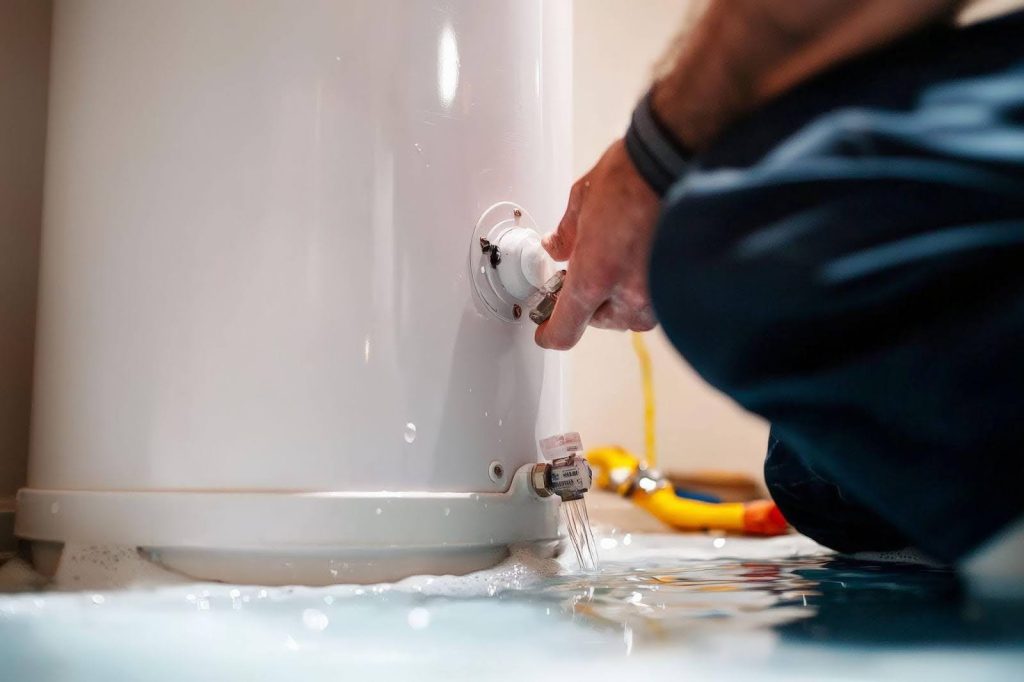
[{"x": 743, "y": 52}]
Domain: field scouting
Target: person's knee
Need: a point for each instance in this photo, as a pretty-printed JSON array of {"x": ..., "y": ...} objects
[
  {"x": 719, "y": 307},
  {"x": 819, "y": 508}
]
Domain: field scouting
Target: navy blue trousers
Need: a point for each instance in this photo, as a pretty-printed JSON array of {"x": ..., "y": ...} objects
[{"x": 848, "y": 262}]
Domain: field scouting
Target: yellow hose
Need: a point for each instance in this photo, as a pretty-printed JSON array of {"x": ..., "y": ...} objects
[
  {"x": 615, "y": 469},
  {"x": 611, "y": 464},
  {"x": 647, "y": 381},
  {"x": 685, "y": 514}
]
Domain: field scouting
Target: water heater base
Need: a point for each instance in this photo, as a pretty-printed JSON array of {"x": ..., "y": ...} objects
[{"x": 276, "y": 538}]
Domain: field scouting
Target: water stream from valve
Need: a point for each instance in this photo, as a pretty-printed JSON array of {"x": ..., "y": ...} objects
[
  {"x": 577, "y": 522},
  {"x": 569, "y": 476}
]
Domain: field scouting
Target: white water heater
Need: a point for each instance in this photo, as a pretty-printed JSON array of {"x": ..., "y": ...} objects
[{"x": 272, "y": 343}]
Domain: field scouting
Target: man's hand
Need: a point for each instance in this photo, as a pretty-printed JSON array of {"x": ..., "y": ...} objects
[
  {"x": 606, "y": 236},
  {"x": 740, "y": 54}
]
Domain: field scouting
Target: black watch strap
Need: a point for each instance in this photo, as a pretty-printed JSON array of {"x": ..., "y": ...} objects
[{"x": 658, "y": 156}]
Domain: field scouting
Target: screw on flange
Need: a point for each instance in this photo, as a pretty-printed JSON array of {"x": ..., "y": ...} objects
[
  {"x": 518, "y": 213},
  {"x": 491, "y": 251},
  {"x": 496, "y": 471},
  {"x": 517, "y": 311}
]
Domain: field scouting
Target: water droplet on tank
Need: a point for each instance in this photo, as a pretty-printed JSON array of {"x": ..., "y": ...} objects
[
  {"x": 500, "y": 422},
  {"x": 410, "y": 432},
  {"x": 98, "y": 599},
  {"x": 447, "y": 511},
  {"x": 55, "y": 507},
  {"x": 379, "y": 511}
]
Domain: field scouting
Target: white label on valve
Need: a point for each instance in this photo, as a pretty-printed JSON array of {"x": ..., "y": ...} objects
[{"x": 561, "y": 445}]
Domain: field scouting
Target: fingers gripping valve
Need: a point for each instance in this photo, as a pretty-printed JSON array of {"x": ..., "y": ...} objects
[{"x": 512, "y": 272}]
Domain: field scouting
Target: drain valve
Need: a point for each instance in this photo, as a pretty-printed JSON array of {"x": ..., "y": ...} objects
[{"x": 568, "y": 476}]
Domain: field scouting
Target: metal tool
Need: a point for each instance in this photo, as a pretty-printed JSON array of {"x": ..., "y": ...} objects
[{"x": 542, "y": 303}]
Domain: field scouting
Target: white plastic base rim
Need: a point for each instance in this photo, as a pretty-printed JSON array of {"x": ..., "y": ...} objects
[{"x": 301, "y": 538}]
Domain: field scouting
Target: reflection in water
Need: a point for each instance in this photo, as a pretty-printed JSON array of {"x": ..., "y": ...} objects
[
  {"x": 887, "y": 604},
  {"x": 662, "y": 604},
  {"x": 822, "y": 599}
]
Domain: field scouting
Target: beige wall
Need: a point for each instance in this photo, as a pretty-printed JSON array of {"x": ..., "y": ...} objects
[
  {"x": 24, "y": 56},
  {"x": 616, "y": 43}
]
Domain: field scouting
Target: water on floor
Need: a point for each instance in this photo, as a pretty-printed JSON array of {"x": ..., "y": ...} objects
[{"x": 685, "y": 606}]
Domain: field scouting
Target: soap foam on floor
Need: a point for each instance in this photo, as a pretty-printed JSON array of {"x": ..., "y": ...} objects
[
  {"x": 113, "y": 567},
  {"x": 91, "y": 567},
  {"x": 524, "y": 568},
  {"x": 109, "y": 567},
  {"x": 16, "y": 575}
]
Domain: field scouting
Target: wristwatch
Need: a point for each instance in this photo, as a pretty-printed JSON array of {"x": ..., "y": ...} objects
[{"x": 659, "y": 157}]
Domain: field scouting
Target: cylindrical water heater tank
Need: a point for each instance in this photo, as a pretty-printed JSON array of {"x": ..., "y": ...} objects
[{"x": 269, "y": 344}]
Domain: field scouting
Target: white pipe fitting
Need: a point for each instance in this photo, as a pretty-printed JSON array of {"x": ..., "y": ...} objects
[{"x": 525, "y": 266}]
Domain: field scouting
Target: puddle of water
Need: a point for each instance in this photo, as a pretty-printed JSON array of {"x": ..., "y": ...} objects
[{"x": 696, "y": 606}]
